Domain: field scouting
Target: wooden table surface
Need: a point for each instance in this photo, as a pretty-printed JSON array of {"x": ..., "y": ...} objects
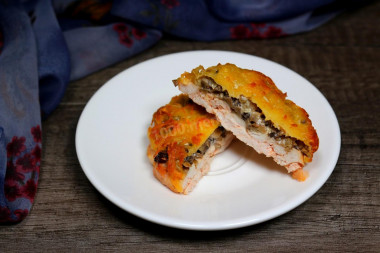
[{"x": 340, "y": 58}]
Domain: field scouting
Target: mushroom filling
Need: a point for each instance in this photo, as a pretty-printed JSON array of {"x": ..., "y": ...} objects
[
  {"x": 215, "y": 139},
  {"x": 253, "y": 116}
]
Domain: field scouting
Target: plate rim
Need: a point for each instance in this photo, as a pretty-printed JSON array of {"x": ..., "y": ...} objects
[{"x": 213, "y": 226}]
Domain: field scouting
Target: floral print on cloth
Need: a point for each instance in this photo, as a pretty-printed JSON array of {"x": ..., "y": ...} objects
[
  {"x": 253, "y": 30},
  {"x": 21, "y": 177},
  {"x": 45, "y": 44},
  {"x": 128, "y": 34}
]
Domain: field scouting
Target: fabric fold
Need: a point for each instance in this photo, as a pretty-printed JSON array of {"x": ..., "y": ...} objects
[
  {"x": 53, "y": 56},
  {"x": 93, "y": 48},
  {"x": 263, "y": 10},
  {"x": 209, "y": 20},
  {"x": 20, "y": 137}
]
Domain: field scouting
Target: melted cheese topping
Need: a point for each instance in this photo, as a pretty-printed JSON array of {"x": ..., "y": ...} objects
[
  {"x": 260, "y": 89},
  {"x": 180, "y": 128}
]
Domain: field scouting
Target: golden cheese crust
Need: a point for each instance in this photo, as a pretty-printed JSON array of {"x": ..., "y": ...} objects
[
  {"x": 260, "y": 89},
  {"x": 179, "y": 129}
]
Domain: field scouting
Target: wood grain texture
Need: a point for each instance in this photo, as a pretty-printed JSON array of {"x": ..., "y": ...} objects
[{"x": 340, "y": 58}]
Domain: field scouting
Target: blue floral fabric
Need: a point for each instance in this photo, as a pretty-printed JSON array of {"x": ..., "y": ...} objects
[{"x": 44, "y": 44}]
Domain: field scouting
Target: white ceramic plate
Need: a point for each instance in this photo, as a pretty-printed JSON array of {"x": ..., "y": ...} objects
[{"x": 243, "y": 188}]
